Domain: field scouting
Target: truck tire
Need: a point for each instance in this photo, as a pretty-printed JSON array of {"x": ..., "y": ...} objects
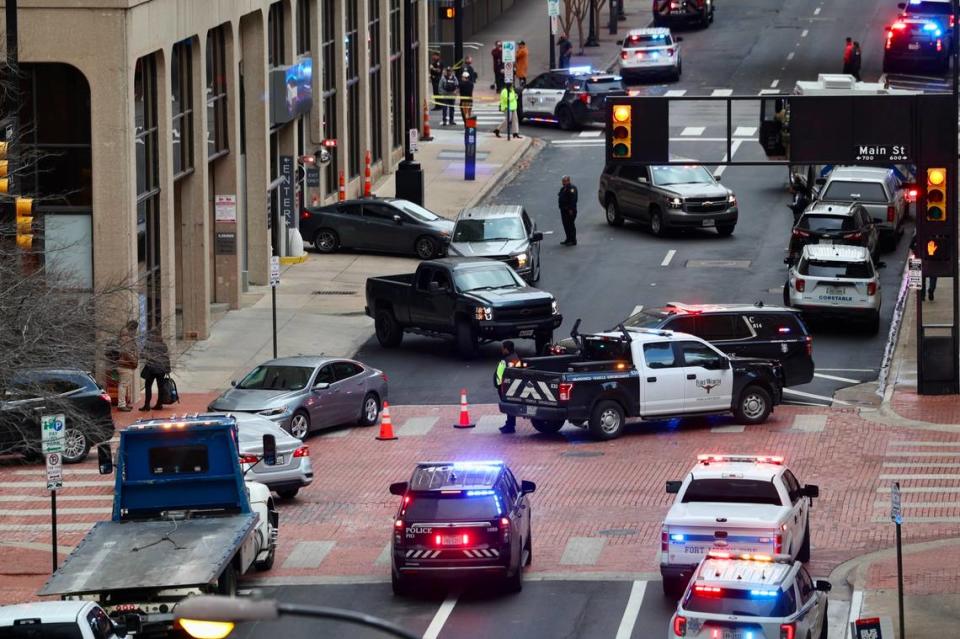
[
  {"x": 673, "y": 587},
  {"x": 266, "y": 564},
  {"x": 542, "y": 341},
  {"x": 873, "y": 325},
  {"x": 514, "y": 583},
  {"x": 467, "y": 344},
  {"x": 656, "y": 222},
  {"x": 613, "y": 213},
  {"x": 725, "y": 230},
  {"x": 565, "y": 119},
  {"x": 547, "y": 426},
  {"x": 227, "y": 583},
  {"x": 803, "y": 556},
  {"x": 753, "y": 406},
  {"x": 607, "y": 420},
  {"x": 389, "y": 333},
  {"x": 400, "y": 584}
]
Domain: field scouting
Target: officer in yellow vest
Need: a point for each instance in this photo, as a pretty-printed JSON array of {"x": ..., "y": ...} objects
[
  {"x": 510, "y": 358},
  {"x": 508, "y": 104}
]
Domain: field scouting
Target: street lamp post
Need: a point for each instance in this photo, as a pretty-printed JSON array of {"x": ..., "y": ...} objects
[
  {"x": 592, "y": 38},
  {"x": 409, "y": 176}
]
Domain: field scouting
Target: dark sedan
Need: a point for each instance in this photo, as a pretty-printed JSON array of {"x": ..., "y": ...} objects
[
  {"x": 825, "y": 223},
  {"x": 29, "y": 395},
  {"x": 381, "y": 224}
]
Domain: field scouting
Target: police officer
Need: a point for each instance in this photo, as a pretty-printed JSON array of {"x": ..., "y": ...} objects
[
  {"x": 567, "y": 200},
  {"x": 510, "y": 358}
]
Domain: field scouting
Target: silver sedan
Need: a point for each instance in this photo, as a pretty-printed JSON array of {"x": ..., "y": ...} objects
[
  {"x": 307, "y": 393},
  {"x": 292, "y": 470}
]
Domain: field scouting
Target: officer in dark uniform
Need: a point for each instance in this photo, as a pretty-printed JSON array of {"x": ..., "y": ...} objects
[
  {"x": 567, "y": 200},
  {"x": 510, "y": 358}
]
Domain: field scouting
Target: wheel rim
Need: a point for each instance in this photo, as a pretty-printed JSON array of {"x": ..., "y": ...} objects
[
  {"x": 298, "y": 426},
  {"x": 74, "y": 443},
  {"x": 370, "y": 409},
  {"x": 610, "y": 421},
  {"x": 425, "y": 248},
  {"x": 753, "y": 406},
  {"x": 611, "y": 212},
  {"x": 655, "y": 223},
  {"x": 326, "y": 241}
]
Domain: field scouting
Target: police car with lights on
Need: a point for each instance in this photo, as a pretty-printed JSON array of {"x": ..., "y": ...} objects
[
  {"x": 459, "y": 519},
  {"x": 650, "y": 51},
  {"x": 734, "y": 503},
  {"x": 751, "y": 596},
  {"x": 918, "y": 41},
  {"x": 570, "y": 98}
]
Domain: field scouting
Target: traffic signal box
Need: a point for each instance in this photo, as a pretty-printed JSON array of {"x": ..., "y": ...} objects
[
  {"x": 4, "y": 170},
  {"x": 936, "y": 201},
  {"x": 936, "y": 228},
  {"x": 448, "y": 13},
  {"x": 24, "y": 212},
  {"x": 637, "y": 130},
  {"x": 621, "y": 127}
]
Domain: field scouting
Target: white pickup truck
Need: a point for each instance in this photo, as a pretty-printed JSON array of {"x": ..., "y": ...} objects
[{"x": 739, "y": 503}]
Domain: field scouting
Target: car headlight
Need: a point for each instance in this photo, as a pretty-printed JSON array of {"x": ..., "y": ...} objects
[
  {"x": 483, "y": 313},
  {"x": 554, "y": 307},
  {"x": 522, "y": 259},
  {"x": 731, "y": 198},
  {"x": 273, "y": 412},
  {"x": 675, "y": 203}
]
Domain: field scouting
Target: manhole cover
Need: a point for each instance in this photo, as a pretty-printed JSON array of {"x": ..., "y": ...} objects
[
  {"x": 334, "y": 292},
  {"x": 718, "y": 263},
  {"x": 581, "y": 453},
  {"x": 618, "y": 532}
]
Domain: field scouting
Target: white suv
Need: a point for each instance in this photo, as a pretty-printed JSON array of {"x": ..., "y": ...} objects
[
  {"x": 751, "y": 596},
  {"x": 836, "y": 280},
  {"x": 648, "y": 52}
]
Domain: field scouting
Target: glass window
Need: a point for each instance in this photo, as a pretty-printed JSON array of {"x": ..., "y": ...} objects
[
  {"x": 805, "y": 585},
  {"x": 148, "y": 188},
  {"x": 178, "y": 460},
  {"x": 697, "y": 354},
  {"x": 852, "y": 270},
  {"x": 776, "y": 325},
  {"x": 633, "y": 173},
  {"x": 376, "y": 92},
  {"x": 733, "y": 601},
  {"x": 843, "y": 191},
  {"x": 181, "y": 75},
  {"x": 500, "y": 276},
  {"x": 488, "y": 230},
  {"x": 601, "y": 349},
  {"x": 275, "y": 36},
  {"x": 68, "y": 247},
  {"x": 604, "y": 85},
  {"x": 538, "y": 82},
  {"x": 718, "y": 327},
  {"x": 647, "y": 40},
  {"x": 304, "y": 11},
  {"x": 645, "y": 319},
  {"x": 328, "y": 46},
  {"x": 351, "y": 41},
  {"x": 217, "y": 133},
  {"x": 100, "y": 624},
  {"x": 326, "y": 375},
  {"x": 732, "y": 491},
  {"x": 396, "y": 75},
  {"x": 435, "y": 507},
  {"x": 659, "y": 355},
  {"x": 683, "y": 324},
  {"x": 667, "y": 175},
  {"x": 379, "y": 212},
  {"x": 827, "y": 223},
  {"x": 346, "y": 370},
  {"x": 416, "y": 211},
  {"x": 276, "y": 378},
  {"x": 44, "y": 631},
  {"x": 509, "y": 490},
  {"x": 793, "y": 486}
]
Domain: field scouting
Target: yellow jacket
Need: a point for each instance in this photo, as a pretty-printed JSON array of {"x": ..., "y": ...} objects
[{"x": 512, "y": 98}]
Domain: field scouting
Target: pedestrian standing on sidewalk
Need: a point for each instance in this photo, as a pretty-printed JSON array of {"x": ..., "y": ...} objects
[
  {"x": 520, "y": 68},
  {"x": 509, "y": 358},
  {"x": 564, "y": 51},
  {"x": 466, "y": 96},
  {"x": 497, "y": 55},
  {"x": 156, "y": 366},
  {"x": 847, "y": 55},
  {"x": 448, "y": 95},
  {"x": 127, "y": 364},
  {"x": 436, "y": 70},
  {"x": 508, "y": 104},
  {"x": 856, "y": 58},
  {"x": 567, "y": 201}
]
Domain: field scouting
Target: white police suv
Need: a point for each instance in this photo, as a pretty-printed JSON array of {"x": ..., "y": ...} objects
[
  {"x": 650, "y": 51},
  {"x": 750, "y": 596}
]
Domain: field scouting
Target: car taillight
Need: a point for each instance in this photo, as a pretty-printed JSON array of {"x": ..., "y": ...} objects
[
  {"x": 249, "y": 459},
  {"x": 566, "y": 388},
  {"x": 105, "y": 396},
  {"x": 383, "y": 376},
  {"x": 398, "y": 524},
  {"x": 871, "y": 288},
  {"x": 303, "y": 451},
  {"x": 585, "y": 98},
  {"x": 889, "y": 39},
  {"x": 799, "y": 285},
  {"x": 624, "y": 55},
  {"x": 891, "y": 213},
  {"x": 939, "y": 45},
  {"x": 505, "y": 529},
  {"x": 800, "y": 233},
  {"x": 305, "y": 215},
  {"x": 665, "y": 541},
  {"x": 670, "y": 51},
  {"x": 707, "y": 590},
  {"x": 680, "y": 626},
  {"x": 809, "y": 345},
  {"x": 854, "y": 236},
  {"x": 952, "y": 20},
  {"x": 787, "y": 630},
  {"x": 777, "y": 544}
]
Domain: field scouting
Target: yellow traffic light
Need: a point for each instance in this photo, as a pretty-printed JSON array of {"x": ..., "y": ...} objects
[
  {"x": 621, "y": 130},
  {"x": 448, "y": 13},
  {"x": 24, "y": 209},
  {"x": 200, "y": 629},
  {"x": 4, "y": 169},
  {"x": 936, "y": 195}
]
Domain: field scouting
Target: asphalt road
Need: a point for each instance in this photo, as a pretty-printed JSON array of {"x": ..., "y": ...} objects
[{"x": 752, "y": 46}]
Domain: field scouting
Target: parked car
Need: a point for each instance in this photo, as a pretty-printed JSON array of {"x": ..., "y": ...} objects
[
  {"x": 292, "y": 470},
  {"x": 828, "y": 224},
  {"x": 382, "y": 224},
  {"x": 667, "y": 197},
  {"x": 500, "y": 232},
  {"x": 307, "y": 393},
  {"x": 878, "y": 189},
  {"x": 570, "y": 98},
  {"x": 31, "y": 394},
  {"x": 685, "y": 11},
  {"x": 62, "y": 620},
  {"x": 647, "y": 52}
]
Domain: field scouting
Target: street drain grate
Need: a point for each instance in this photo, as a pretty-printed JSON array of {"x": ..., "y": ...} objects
[
  {"x": 718, "y": 263},
  {"x": 581, "y": 453},
  {"x": 618, "y": 532},
  {"x": 334, "y": 292}
]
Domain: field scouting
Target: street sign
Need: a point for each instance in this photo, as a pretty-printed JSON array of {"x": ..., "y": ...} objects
[
  {"x": 509, "y": 51},
  {"x": 54, "y": 471},
  {"x": 896, "y": 513},
  {"x": 553, "y": 8},
  {"x": 881, "y": 152},
  {"x": 915, "y": 277},
  {"x": 414, "y": 136},
  {"x": 52, "y": 429},
  {"x": 508, "y": 72},
  {"x": 274, "y": 271},
  {"x": 554, "y": 25},
  {"x": 312, "y": 173}
]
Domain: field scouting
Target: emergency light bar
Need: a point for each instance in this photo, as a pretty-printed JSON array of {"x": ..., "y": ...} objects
[
  {"x": 724, "y": 554},
  {"x": 580, "y": 70},
  {"x": 756, "y": 459}
]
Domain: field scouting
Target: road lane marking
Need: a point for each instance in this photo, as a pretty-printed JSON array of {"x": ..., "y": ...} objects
[
  {"x": 582, "y": 551},
  {"x": 813, "y": 396},
  {"x": 769, "y": 92},
  {"x": 693, "y": 130},
  {"x": 415, "y": 426},
  {"x": 669, "y": 256},
  {"x": 810, "y": 423},
  {"x": 308, "y": 554},
  {"x": 625, "y": 631},
  {"x": 923, "y": 442},
  {"x": 443, "y": 613},
  {"x": 773, "y": 85},
  {"x": 745, "y": 131},
  {"x": 383, "y": 559},
  {"x": 916, "y": 477},
  {"x": 885, "y": 503},
  {"x": 923, "y": 453},
  {"x": 816, "y": 11},
  {"x": 836, "y": 378},
  {"x": 856, "y": 603},
  {"x": 721, "y": 93},
  {"x": 920, "y": 465},
  {"x": 636, "y": 309},
  {"x": 790, "y": 55},
  {"x": 804, "y": 33},
  {"x": 921, "y": 489},
  {"x": 591, "y": 134},
  {"x": 675, "y": 93},
  {"x": 735, "y": 145},
  {"x": 732, "y": 428}
]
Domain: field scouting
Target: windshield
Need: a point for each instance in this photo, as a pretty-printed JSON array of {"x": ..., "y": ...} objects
[
  {"x": 842, "y": 191},
  {"x": 487, "y": 278},
  {"x": 854, "y": 270},
  {"x": 424, "y": 507},
  {"x": 645, "y": 319},
  {"x": 928, "y": 8},
  {"x": 276, "y": 378},
  {"x": 498, "y": 228},
  {"x": 418, "y": 212},
  {"x": 605, "y": 349},
  {"x": 823, "y": 223},
  {"x": 667, "y": 175},
  {"x": 733, "y": 601},
  {"x": 603, "y": 85},
  {"x": 732, "y": 491},
  {"x": 42, "y": 631},
  {"x": 634, "y": 41}
]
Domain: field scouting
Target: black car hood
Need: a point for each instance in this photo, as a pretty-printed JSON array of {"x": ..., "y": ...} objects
[{"x": 504, "y": 297}]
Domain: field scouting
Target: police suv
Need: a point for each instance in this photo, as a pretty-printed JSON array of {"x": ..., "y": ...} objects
[
  {"x": 570, "y": 98},
  {"x": 734, "y": 503},
  {"x": 462, "y": 518},
  {"x": 650, "y": 51},
  {"x": 751, "y": 596}
]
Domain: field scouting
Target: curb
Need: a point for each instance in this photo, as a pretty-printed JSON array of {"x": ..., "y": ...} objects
[
  {"x": 294, "y": 260},
  {"x": 497, "y": 179}
]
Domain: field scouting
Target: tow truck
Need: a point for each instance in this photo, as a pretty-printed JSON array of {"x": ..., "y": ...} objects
[
  {"x": 184, "y": 522},
  {"x": 733, "y": 503}
]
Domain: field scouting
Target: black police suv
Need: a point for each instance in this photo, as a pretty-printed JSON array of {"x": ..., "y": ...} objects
[
  {"x": 745, "y": 330},
  {"x": 461, "y": 519},
  {"x": 824, "y": 223},
  {"x": 569, "y": 98}
]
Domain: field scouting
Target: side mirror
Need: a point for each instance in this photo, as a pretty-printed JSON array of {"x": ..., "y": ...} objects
[
  {"x": 269, "y": 450},
  {"x": 321, "y": 386},
  {"x": 398, "y": 488},
  {"x": 673, "y": 487},
  {"x": 717, "y": 177},
  {"x": 822, "y": 585},
  {"x": 536, "y": 237},
  {"x": 642, "y": 180},
  {"x": 881, "y": 265},
  {"x": 901, "y": 5},
  {"x": 398, "y": 219},
  {"x": 105, "y": 459},
  {"x": 812, "y": 491},
  {"x": 527, "y": 487},
  {"x": 434, "y": 287}
]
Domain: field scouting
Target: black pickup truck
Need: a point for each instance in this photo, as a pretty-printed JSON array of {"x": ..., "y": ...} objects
[
  {"x": 651, "y": 374},
  {"x": 472, "y": 299}
]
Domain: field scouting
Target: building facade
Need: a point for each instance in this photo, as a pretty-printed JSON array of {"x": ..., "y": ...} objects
[{"x": 174, "y": 133}]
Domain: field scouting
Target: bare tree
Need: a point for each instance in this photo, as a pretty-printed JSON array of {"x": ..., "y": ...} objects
[{"x": 574, "y": 11}]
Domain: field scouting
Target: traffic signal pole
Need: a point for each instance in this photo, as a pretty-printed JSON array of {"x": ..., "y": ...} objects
[{"x": 12, "y": 105}]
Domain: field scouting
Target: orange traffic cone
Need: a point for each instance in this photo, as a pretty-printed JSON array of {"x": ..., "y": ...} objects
[
  {"x": 464, "y": 412},
  {"x": 426, "y": 135},
  {"x": 367, "y": 186},
  {"x": 386, "y": 424},
  {"x": 342, "y": 191}
]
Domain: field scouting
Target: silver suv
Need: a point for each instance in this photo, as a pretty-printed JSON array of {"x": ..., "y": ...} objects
[
  {"x": 836, "y": 280},
  {"x": 502, "y": 232},
  {"x": 876, "y": 188}
]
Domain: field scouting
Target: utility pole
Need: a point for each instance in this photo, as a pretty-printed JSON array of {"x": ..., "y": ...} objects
[
  {"x": 409, "y": 176},
  {"x": 457, "y": 34},
  {"x": 592, "y": 37}
]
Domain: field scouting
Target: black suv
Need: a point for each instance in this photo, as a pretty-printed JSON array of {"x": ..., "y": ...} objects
[
  {"x": 461, "y": 518},
  {"x": 746, "y": 330},
  {"x": 824, "y": 223},
  {"x": 919, "y": 41},
  {"x": 571, "y": 98}
]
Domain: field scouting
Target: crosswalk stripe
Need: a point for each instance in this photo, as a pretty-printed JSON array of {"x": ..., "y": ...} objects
[
  {"x": 733, "y": 428},
  {"x": 745, "y": 131},
  {"x": 923, "y": 453},
  {"x": 416, "y": 426},
  {"x": 591, "y": 134},
  {"x": 721, "y": 93},
  {"x": 582, "y": 551},
  {"x": 921, "y": 465},
  {"x": 922, "y": 489},
  {"x": 693, "y": 130},
  {"x": 921, "y": 504},
  {"x": 634, "y": 601},
  {"x": 923, "y": 443},
  {"x": 675, "y": 93},
  {"x": 308, "y": 554},
  {"x": 810, "y": 423}
]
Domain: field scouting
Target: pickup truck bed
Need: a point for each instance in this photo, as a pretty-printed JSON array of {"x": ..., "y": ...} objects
[{"x": 122, "y": 555}]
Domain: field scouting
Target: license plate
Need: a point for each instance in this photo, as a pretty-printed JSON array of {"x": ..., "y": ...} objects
[
  {"x": 451, "y": 540},
  {"x": 732, "y": 634},
  {"x": 708, "y": 222},
  {"x": 826, "y": 241},
  {"x": 527, "y": 333},
  {"x": 530, "y": 410},
  {"x": 913, "y": 46},
  {"x": 836, "y": 291},
  {"x": 279, "y": 460}
]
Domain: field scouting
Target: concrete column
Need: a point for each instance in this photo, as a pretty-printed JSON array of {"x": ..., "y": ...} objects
[
  {"x": 287, "y": 135},
  {"x": 363, "y": 70},
  {"x": 253, "y": 44},
  {"x": 168, "y": 245},
  {"x": 342, "y": 156}
]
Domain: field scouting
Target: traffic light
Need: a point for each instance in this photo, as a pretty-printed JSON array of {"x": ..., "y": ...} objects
[
  {"x": 4, "y": 169},
  {"x": 24, "y": 208},
  {"x": 622, "y": 131},
  {"x": 936, "y": 248},
  {"x": 448, "y": 13},
  {"x": 936, "y": 195}
]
